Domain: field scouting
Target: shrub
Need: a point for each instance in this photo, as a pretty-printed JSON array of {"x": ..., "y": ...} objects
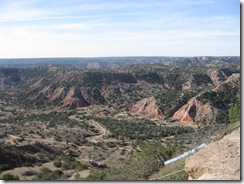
[
  {"x": 70, "y": 163},
  {"x": 38, "y": 164},
  {"x": 57, "y": 163},
  {"x": 57, "y": 173},
  {"x": 27, "y": 164},
  {"x": 29, "y": 173},
  {"x": 96, "y": 176},
  {"x": 47, "y": 174},
  {"x": 10, "y": 177}
]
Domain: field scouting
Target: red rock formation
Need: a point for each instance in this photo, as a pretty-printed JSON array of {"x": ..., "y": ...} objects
[
  {"x": 187, "y": 113},
  {"x": 195, "y": 111},
  {"x": 58, "y": 93},
  {"x": 74, "y": 99},
  {"x": 148, "y": 107}
]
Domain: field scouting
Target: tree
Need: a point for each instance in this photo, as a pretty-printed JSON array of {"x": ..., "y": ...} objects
[{"x": 234, "y": 113}]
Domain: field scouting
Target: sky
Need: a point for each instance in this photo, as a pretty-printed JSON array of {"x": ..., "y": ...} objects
[{"x": 106, "y": 28}]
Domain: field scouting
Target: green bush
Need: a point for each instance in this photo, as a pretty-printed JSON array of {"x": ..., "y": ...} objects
[
  {"x": 10, "y": 177},
  {"x": 4, "y": 167},
  {"x": 57, "y": 163},
  {"x": 47, "y": 174},
  {"x": 234, "y": 113},
  {"x": 70, "y": 163},
  {"x": 38, "y": 164},
  {"x": 96, "y": 176}
]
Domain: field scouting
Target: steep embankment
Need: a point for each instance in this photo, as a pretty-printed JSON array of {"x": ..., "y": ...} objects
[
  {"x": 147, "y": 107},
  {"x": 194, "y": 110},
  {"x": 220, "y": 160},
  {"x": 74, "y": 99}
]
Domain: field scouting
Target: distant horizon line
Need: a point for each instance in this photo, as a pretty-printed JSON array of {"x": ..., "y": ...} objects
[{"x": 87, "y": 57}]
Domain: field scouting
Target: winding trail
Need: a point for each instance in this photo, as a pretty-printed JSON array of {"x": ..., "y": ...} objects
[
  {"x": 98, "y": 138},
  {"x": 102, "y": 132}
]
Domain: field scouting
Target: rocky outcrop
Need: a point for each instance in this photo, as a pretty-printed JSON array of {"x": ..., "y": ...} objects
[
  {"x": 218, "y": 77},
  {"x": 221, "y": 75},
  {"x": 187, "y": 85},
  {"x": 196, "y": 111},
  {"x": 197, "y": 81},
  {"x": 58, "y": 93},
  {"x": 232, "y": 82},
  {"x": 74, "y": 99},
  {"x": 147, "y": 107},
  {"x": 220, "y": 160},
  {"x": 93, "y": 66}
]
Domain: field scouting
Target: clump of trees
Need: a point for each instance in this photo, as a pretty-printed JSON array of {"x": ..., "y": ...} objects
[{"x": 144, "y": 130}]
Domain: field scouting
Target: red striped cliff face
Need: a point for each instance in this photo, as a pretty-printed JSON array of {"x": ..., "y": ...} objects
[
  {"x": 195, "y": 111},
  {"x": 187, "y": 113},
  {"x": 147, "y": 107},
  {"x": 74, "y": 99}
]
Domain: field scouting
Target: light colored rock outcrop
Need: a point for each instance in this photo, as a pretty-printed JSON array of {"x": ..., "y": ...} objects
[
  {"x": 218, "y": 77},
  {"x": 148, "y": 107},
  {"x": 220, "y": 160}
]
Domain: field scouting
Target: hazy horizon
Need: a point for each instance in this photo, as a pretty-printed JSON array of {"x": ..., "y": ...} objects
[{"x": 80, "y": 57}]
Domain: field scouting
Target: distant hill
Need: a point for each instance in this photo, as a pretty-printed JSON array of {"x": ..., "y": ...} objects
[
  {"x": 111, "y": 62},
  {"x": 170, "y": 86}
]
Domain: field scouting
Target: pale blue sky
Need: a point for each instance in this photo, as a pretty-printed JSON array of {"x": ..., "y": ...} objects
[{"x": 94, "y": 28}]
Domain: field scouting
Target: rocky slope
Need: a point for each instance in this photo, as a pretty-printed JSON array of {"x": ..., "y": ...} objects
[
  {"x": 147, "y": 107},
  {"x": 232, "y": 82},
  {"x": 55, "y": 87},
  {"x": 205, "y": 107},
  {"x": 218, "y": 76},
  {"x": 195, "y": 111},
  {"x": 74, "y": 99},
  {"x": 220, "y": 160}
]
